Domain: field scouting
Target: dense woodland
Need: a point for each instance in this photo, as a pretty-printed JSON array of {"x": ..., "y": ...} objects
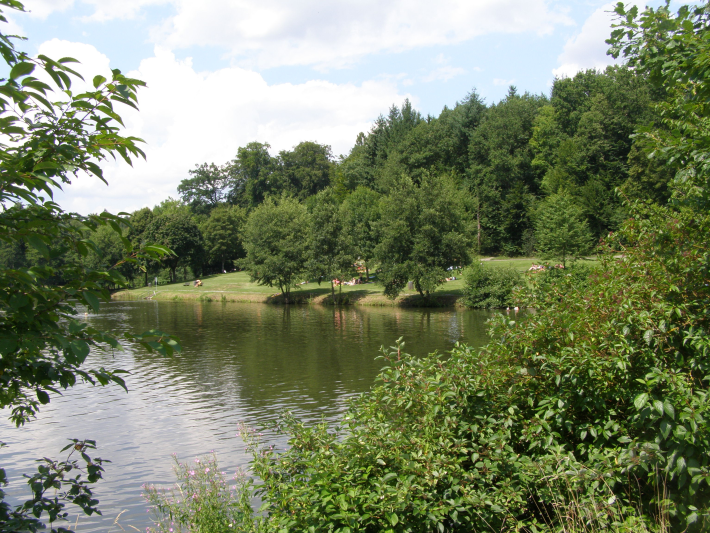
[{"x": 414, "y": 196}]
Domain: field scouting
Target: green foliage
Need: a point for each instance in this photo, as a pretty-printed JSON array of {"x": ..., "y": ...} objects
[
  {"x": 206, "y": 189},
  {"x": 276, "y": 240},
  {"x": 51, "y": 134},
  {"x": 490, "y": 287},
  {"x": 330, "y": 252},
  {"x": 360, "y": 212},
  {"x": 51, "y": 487},
  {"x": 552, "y": 282},
  {"x": 177, "y": 230},
  {"x": 596, "y": 404},
  {"x": 202, "y": 501},
  {"x": 222, "y": 233},
  {"x": 501, "y": 176},
  {"x": 423, "y": 231},
  {"x": 560, "y": 231}
]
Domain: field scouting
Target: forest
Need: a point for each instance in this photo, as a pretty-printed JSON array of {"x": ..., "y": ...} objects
[{"x": 530, "y": 175}]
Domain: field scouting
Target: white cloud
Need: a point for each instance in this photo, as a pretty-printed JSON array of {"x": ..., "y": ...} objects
[
  {"x": 587, "y": 49},
  {"x": 501, "y": 82},
  {"x": 43, "y": 8},
  {"x": 272, "y": 33},
  {"x": 188, "y": 117},
  {"x": 444, "y": 73}
]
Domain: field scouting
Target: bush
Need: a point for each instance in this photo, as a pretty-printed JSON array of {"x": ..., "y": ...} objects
[
  {"x": 490, "y": 287},
  {"x": 588, "y": 415},
  {"x": 553, "y": 282},
  {"x": 201, "y": 501}
]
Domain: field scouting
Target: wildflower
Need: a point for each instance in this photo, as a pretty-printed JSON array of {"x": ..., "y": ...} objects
[
  {"x": 207, "y": 470},
  {"x": 191, "y": 472}
]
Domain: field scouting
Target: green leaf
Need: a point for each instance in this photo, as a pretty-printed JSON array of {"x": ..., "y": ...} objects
[
  {"x": 393, "y": 519},
  {"x": 38, "y": 244},
  {"x": 92, "y": 300},
  {"x": 658, "y": 406},
  {"x": 21, "y": 69},
  {"x": 98, "y": 81},
  {"x": 640, "y": 401}
]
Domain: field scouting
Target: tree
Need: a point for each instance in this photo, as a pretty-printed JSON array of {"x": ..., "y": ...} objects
[
  {"x": 331, "y": 252},
  {"x": 49, "y": 135},
  {"x": 206, "y": 189},
  {"x": 177, "y": 230},
  {"x": 276, "y": 239},
  {"x": 560, "y": 229},
  {"x": 501, "y": 176},
  {"x": 306, "y": 169},
  {"x": 360, "y": 213},
  {"x": 223, "y": 234},
  {"x": 423, "y": 231},
  {"x": 252, "y": 173}
]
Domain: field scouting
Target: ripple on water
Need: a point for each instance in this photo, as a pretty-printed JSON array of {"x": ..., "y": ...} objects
[{"x": 240, "y": 363}]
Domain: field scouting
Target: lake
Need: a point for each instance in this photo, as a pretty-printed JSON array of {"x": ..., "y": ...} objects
[{"x": 240, "y": 363}]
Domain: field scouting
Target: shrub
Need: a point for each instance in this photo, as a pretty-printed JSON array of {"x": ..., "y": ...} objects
[
  {"x": 553, "y": 282},
  {"x": 490, "y": 287},
  {"x": 202, "y": 501},
  {"x": 590, "y": 414}
]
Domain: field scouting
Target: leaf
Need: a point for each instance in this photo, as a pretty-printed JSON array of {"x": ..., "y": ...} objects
[
  {"x": 98, "y": 81},
  {"x": 38, "y": 244},
  {"x": 658, "y": 406},
  {"x": 393, "y": 518},
  {"x": 640, "y": 401},
  {"x": 21, "y": 69},
  {"x": 43, "y": 397},
  {"x": 92, "y": 300},
  {"x": 648, "y": 336},
  {"x": 668, "y": 408}
]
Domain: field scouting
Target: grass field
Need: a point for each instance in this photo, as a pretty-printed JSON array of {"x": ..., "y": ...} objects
[{"x": 236, "y": 287}]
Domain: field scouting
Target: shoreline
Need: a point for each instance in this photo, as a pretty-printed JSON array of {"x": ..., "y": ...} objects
[{"x": 298, "y": 298}]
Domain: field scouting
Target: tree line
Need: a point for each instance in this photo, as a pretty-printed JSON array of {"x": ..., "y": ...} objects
[{"x": 416, "y": 195}]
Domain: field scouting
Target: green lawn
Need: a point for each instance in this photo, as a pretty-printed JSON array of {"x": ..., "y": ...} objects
[{"x": 235, "y": 286}]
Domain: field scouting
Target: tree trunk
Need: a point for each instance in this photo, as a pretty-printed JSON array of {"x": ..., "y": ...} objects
[
  {"x": 222, "y": 264},
  {"x": 367, "y": 273},
  {"x": 478, "y": 222},
  {"x": 172, "y": 274},
  {"x": 332, "y": 291}
]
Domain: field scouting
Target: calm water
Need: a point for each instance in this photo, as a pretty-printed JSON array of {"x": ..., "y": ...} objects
[{"x": 240, "y": 363}]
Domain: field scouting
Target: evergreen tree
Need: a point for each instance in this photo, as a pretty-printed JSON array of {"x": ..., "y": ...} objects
[{"x": 560, "y": 230}]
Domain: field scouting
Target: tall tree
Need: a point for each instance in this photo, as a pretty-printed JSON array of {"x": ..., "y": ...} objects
[
  {"x": 501, "y": 176},
  {"x": 331, "y": 252},
  {"x": 306, "y": 169},
  {"x": 560, "y": 229},
  {"x": 276, "y": 239},
  {"x": 206, "y": 189},
  {"x": 252, "y": 174},
  {"x": 177, "y": 230},
  {"x": 223, "y": 234},
  {"x": 360, "y": 213},
  {"x": 423, "y": 231}
]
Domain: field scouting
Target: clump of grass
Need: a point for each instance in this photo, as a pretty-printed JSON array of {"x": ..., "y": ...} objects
[{"x": 202, "y": 500}]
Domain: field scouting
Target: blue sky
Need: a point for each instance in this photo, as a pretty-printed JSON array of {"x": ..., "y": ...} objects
[{"x": 222, "y": 73}]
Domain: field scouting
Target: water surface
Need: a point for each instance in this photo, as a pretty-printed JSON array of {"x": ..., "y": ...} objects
[{"x": 240, "y": 363}]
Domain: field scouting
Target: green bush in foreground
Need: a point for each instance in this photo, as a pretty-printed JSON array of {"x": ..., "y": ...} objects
[
  {"x": 202, "y": 501},
  {"x": 490, "y": 287},
  {"x": 588, "y": 415}
]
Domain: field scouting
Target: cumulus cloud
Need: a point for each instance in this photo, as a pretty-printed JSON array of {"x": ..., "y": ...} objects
[
  {"x": 43, "y": 8},
  {"x": 272, "y": 33},
  {"x": 190, "y": 117},
  {"x": 587, "y": 49}
]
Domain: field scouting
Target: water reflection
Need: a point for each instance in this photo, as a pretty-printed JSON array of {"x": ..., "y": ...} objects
[{"x": 241, "y": 362}]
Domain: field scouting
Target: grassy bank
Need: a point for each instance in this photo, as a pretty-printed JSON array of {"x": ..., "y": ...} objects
[{"x": 236, "y": 287}]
